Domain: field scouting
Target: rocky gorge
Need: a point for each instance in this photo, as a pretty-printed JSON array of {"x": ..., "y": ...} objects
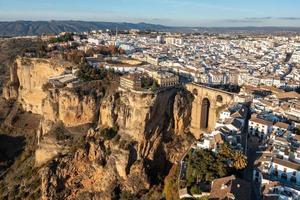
[{"x": 94, "y": 141}]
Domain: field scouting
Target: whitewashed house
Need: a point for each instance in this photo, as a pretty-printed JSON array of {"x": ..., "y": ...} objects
[{"x": 259, "y": 127}]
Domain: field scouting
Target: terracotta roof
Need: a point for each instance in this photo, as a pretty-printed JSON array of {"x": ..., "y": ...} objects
[
  {"x": 286, "y": 163},
  {"x": 237, "y": 114},
  {"x": 297, "y": 137},
  {"x": 264, "y": 157},
  {"x": 282, "y": 125},
  {"x": 288, "y": 95},
  {"x": 281, "y": 139},
  {"x": 218, "y": 138},
  {"x": 297, "y": 105},
  {"x": 266, "y": 187},
  {"x": 261, "y": 121},
  {"x": 271, "y": 88},
  {"x": 285, "y": 106},
  {"x": 230, "y": 186},
  {"x": 267, "y": 103}
]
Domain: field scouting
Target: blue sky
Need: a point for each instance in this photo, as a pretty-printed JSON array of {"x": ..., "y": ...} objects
[{"x": 167, "y": 12}]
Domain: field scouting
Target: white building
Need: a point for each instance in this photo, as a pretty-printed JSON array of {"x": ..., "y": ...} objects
[
  {"x": 94, "y": 41},
  {"x": 285, "y": 170},
  {"x": 259, "y": 127}
]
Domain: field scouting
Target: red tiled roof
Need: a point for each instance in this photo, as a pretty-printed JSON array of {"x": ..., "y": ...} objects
[
  {"x": 282, "y": 125},
  {"x": 286, "y": 163},
  {"x": 261, "y": 121},
  {"x": 230, "y": 186}
]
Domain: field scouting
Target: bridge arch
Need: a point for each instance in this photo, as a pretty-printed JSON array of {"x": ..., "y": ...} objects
[{"x": 205, "y": 106}]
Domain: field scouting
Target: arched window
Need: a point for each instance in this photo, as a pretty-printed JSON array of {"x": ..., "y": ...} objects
[
  {"x": 219, "y": 99},
  {"x": 195, "y": 92}
]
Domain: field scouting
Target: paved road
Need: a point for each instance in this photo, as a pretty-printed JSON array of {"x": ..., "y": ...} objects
[
  {"x": 253, "y": 145},
  {"x": 250, "y": 145}
]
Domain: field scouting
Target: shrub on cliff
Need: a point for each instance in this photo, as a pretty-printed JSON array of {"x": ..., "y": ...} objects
[
  {"x": 47, "y": 86},
  {"x": 125, "y": 195},
  {"x": 109, "y": 133}
]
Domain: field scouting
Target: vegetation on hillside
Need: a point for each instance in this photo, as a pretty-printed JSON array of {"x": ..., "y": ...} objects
[
  {"x": 171, "y": 186},
  {"x": 19, "y": 179},
  {"x": 62, "y": 38},
  {"x": 10, "y": 49},
  {"x": 87, "y": 72},
  {"x": 108, "y": 133}
]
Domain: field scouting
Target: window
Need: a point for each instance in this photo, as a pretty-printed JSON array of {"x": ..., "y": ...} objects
[
  {"x": 293, "y": 179},
  {"x": 275, "y": 172},
  {"x": 195, "y": 92},
  {"x": 283, "y": 176},
  {"x": 219, "y": 99}
]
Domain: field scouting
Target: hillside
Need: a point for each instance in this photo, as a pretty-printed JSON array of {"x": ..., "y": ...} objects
[
  {"x": 24, "y": 28},
  {"x": 20, "y": 28}
]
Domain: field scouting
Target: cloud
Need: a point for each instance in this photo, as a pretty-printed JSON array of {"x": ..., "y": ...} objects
[
  {"x": 261, "y": 19},
  {"x": 258, "y": 18},
  {"x": 289, "y": 18}
]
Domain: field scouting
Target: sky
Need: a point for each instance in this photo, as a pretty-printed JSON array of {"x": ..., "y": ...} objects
[{"x": 207, "y": 13}]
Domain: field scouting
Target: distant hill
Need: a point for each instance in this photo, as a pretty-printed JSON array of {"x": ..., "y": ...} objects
[{"x": 22, "y": 28}]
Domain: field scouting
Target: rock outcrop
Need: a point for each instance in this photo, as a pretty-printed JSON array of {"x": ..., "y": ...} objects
[
  {"x": 28, "y": 76},
  {"x": 71, "y": 107},
  {"x": 152, "y": 132},
  {"x": 147, "y": 143}
]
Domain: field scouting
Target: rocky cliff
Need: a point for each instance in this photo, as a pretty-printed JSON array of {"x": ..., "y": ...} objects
[
  {"x": 129, "y": 140},
  {"x": 151, "y": 136},
  {"x": 27, "y": 77}
]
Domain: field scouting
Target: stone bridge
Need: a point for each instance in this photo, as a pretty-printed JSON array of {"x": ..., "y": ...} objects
[{"x": 207, "y": 104}]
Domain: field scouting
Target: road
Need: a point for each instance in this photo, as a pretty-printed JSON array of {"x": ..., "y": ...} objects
[{"x": 250, "y": 145}]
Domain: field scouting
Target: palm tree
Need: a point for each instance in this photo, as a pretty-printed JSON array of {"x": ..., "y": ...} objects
[{"x": 239, "y": 160}]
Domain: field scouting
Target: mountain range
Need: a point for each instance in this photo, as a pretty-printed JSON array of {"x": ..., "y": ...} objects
[{"x": 23, "y": 28}]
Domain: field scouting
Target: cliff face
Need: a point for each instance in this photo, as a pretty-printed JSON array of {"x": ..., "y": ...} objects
[
  {"x": 147, "y": 143},
  {"x": 72, "y": 107},
  {"x": 27, "y": 78},
  {"x": 152, "y": 132}
]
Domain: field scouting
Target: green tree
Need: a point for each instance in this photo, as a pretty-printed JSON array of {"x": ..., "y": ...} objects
[
  {"x": 195, "y": 189},
  {"x": 87, "y": 72}
]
